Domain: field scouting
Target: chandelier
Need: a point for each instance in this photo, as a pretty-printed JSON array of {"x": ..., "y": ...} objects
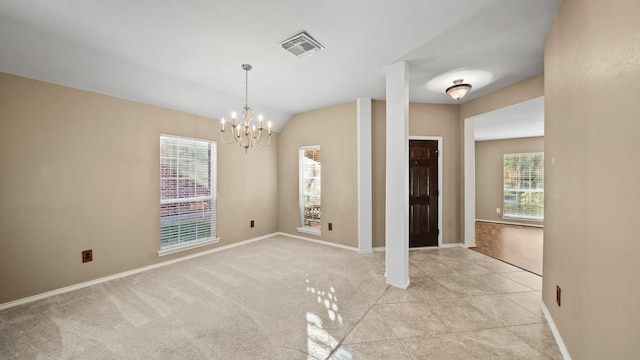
[
  {"x": 245, "y": 133},
  {"x": 458, "y": 90}
]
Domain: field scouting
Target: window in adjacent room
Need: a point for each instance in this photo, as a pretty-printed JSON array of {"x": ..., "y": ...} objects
[
  {"x": 187, "y": 193},
  {"x": 524, "y": 186},
  {"x": 309, "y": 183}
]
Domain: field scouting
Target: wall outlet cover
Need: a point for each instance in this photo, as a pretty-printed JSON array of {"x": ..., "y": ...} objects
[{"x": 87, "y": 255}]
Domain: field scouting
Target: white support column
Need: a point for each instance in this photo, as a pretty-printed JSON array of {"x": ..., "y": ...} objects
[
  {"x": 469, "y": 183},
  {"x": 365, "y": 202},
  {"x": 397, "y": 171}
]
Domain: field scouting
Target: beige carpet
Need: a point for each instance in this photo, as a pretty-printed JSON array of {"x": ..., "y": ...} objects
[{"x": 278, "y": 298}]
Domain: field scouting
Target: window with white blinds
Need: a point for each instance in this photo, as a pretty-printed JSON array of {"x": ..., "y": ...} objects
[
  {"x": 524, "y": 186},
  {"x": 187, "y": 193},
  {"x": 309, "y": 182}
]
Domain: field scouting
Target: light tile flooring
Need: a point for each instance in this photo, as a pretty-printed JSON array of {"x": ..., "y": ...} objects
[{"x": 460, "y": 305}]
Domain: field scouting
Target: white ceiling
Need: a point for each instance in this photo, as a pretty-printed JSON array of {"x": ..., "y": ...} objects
[
  {"x": 525, "y": 119},
  {"x": 186, "y": 55}
]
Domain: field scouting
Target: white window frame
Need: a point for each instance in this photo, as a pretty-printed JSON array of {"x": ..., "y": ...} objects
[
  {"x": 301, "y": 191},
  {"x": 506, "y": 215},
  {"x": 203, "y": 241}
]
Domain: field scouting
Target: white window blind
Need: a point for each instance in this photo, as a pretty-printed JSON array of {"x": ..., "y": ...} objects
[
  {"x": 187, "y": 192},
  {"x": 310, "y": 185},
  {"x": 524, "y": 186}
]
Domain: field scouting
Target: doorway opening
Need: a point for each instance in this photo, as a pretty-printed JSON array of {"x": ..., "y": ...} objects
[
  {"x": 425, "y": 201},
  {"x": 488, "y": 138}
]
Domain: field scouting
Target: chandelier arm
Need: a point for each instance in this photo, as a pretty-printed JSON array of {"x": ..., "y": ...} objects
[
  {"x": 268, "y": 141},
  {"x": 252, "y": 138},
  {"x": 223, "y": 140},
  {"x": 239, "y": 133},
  {"x": 245, "y": 140},
  {"x": 257, "y": 136}
]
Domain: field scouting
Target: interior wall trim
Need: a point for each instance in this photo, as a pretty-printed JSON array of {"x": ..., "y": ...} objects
[
  {"x": 85, "y": 284},
  {"x": 318, "y": 241},
  {"x": 401, "y": 285},
  {"x": 510, "y": 223},
  {"x": 556, "y": 334},
  {"x": 454, "y": 245}
]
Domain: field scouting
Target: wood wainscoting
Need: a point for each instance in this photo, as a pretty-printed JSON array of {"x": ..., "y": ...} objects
[{"x": 518, "y": 245}]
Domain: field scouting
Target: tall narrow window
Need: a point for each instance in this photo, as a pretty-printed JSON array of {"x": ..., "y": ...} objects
[
  {"x": 309, "y": 170},
  {"x": 524, "y": 186},
  {"x": 187, "y": 193}
]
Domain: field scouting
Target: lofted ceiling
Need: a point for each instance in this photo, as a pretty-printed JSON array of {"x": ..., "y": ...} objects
[{"x": 187, "y": 55}]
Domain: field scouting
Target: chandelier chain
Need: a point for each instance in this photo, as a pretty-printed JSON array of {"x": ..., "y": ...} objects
[{"x": 246, "y": 88}]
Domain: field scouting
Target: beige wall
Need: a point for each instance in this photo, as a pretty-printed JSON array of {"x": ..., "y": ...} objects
[
  {"x": 339, "y": 173},
  {"x": 424, "y": 120},
  {"x": 444, "y": 120},
  {"x": 334, "y": 129},
  {"x": 524, "y": 90},
  {"x": 592, "y": 125},
  {"x": 81, "y": 171},
  {"x": 489, "y": 174}
]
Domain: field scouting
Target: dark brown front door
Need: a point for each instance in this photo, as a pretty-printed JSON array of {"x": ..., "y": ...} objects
[{"x": 423, "y": 193}]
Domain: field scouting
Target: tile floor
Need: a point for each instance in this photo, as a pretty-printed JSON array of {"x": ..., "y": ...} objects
[{"x": 460, "y": 305}]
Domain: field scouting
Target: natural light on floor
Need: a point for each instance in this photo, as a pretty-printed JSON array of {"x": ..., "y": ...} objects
[{"x": 319, "y": 341}]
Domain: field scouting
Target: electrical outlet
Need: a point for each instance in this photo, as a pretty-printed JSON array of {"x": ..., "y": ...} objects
[
  {"x": 330, "y": 226},
  {"x": 558, "y": 295},
  {"x": 498, "y": 210},
  {"x": 87, "y": 256},
  {"x": 253, "y": 223}
]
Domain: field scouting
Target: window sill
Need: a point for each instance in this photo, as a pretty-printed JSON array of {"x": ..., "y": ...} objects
[
  {"x": 187, "y": 246},
  {"x": 308, "y": 230}
]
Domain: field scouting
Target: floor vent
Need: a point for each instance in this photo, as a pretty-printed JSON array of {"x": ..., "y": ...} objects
[{"x": 301, "y": 45}]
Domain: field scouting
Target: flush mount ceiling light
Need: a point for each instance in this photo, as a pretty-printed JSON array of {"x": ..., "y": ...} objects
[
  {"x": 458, "y": 90},
  {"x": 245, "y": 133}
]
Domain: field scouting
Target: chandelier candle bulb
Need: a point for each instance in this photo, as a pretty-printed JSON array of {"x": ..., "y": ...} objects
[
  {"x": 269, "y": 124},
  {"x": 222, "y": 124}
]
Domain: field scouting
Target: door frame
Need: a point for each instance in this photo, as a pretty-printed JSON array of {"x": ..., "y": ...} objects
[{"x": 440, "y": 183}]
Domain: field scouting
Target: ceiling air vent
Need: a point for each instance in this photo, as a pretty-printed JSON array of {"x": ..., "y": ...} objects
[{"x": 301, "y": 45}]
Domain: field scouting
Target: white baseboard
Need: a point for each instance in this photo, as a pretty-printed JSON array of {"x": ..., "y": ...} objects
[
  {"x": 318, "y": 241},
  {"x": 85, "y": 284},
  {"x": 556, "y": 333},
  {"x": 397, "y": 284},
  {"x": 454, "y": 245},
  {"x": 423, "y": 248}
]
